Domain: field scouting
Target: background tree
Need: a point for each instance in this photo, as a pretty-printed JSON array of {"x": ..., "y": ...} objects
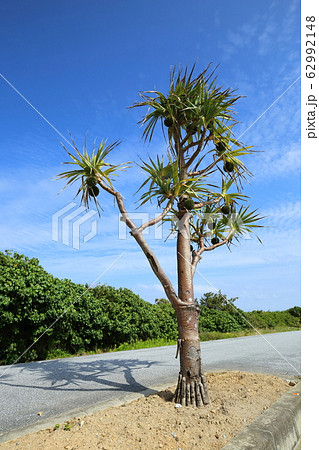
[
  {"x": 197, "y": 119},
  {"x": 218, "y": 301},
  {"x": 219, "y": 312}
]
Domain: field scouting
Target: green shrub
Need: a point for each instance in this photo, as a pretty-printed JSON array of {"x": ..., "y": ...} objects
[
  {"x": 43, "y": 317},
  {"x": 128, "y": 318},
  {"x": 215, "y": 320},
  {"x": 295, "y": 311},
  {"x": 31, "y": 301},
  {"x": 70, "y": 318},
  {"x": 166, "y": 321},
  {"x": 220, "y": 302},
  {"x": 271, "y": 319}
]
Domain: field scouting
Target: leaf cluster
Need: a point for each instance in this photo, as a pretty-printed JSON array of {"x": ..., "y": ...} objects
[
  {"x": 192, "y": 104},
  {"x": 92, "y": 168},
  {"x": 165, "y": 184},
  {"x": 203, "y": 171}
]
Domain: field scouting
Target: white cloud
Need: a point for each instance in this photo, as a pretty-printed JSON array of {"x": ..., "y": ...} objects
[{"x": 281, "y": 161}]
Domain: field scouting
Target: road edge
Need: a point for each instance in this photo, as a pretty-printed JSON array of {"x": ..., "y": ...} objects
[
  {"x": 50, "y": 422},
  {"x": 278, "y": 428}
]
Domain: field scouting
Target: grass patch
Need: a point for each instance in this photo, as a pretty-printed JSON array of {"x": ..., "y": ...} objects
[
  {"x": 150, "y": 343},
  {"x": 214, "y": 335}
]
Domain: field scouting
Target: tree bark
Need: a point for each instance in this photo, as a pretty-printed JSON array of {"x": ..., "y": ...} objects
[{"x": 191, "y": 387}]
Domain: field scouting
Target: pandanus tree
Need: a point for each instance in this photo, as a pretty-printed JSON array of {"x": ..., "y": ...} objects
[{"x": 197, "y": 185}]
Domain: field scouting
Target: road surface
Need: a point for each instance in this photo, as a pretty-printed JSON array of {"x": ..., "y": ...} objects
[{"x": 68, "y": 386}]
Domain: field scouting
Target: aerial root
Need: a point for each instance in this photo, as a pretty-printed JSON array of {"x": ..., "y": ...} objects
[{"x": 192, "y": 391}]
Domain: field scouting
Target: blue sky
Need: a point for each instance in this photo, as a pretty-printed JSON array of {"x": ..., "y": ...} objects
[{"x": 81, "y": 65}]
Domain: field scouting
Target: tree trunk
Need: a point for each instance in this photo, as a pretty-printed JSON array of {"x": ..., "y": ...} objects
[{"x": 192, "y": 387}]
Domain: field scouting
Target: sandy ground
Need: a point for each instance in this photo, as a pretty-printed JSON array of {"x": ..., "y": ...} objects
[{"x": 154, "y": 422}]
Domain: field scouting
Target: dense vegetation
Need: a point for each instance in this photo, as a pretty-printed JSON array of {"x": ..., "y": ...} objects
[
  {"x": 220, "y": 314},
  {"x": 58, "y": 317}
]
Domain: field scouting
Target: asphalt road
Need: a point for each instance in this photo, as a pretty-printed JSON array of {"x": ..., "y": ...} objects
[{"x": 74, "y": 385}]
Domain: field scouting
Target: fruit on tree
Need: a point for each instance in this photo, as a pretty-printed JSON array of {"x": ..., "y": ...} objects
[
  {"x": 225, "y": 209},
  {"x": 94, "y": 191},
  {"x": 168, "y": 122},
  {"x": 188, "y": 203},
  {"x": 220, "y": 147},
  {"x": 228, "y": 166},
  {"x": 91, "y": 181}
]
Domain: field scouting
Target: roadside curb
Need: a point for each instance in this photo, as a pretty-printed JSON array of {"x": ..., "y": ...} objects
[{"x": 278, "y": 428}]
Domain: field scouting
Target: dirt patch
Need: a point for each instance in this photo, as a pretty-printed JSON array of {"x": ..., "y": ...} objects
[{"x": 154, "y": 422}]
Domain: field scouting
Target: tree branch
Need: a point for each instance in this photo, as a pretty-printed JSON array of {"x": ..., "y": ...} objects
[
  {"x": 106, "y": 188},
  {"x": 219, "y": 244},
  {"x": 207, "y": 169},
  {"x": 210, "y": 202},
  {"x": 138, "y": 236},
  {"x": 160, "y": 217},
  {"x": 198, "y": 254},
  {"x": 197, "y": 151}
]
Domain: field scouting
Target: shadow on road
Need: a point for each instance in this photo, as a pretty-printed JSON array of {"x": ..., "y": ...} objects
[{"x": 72, "y": 375}]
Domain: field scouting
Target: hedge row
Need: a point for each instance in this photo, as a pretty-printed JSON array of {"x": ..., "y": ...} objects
[
  {"x": 49, "y": 315},
  {"x": 83, "y": 319}
]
